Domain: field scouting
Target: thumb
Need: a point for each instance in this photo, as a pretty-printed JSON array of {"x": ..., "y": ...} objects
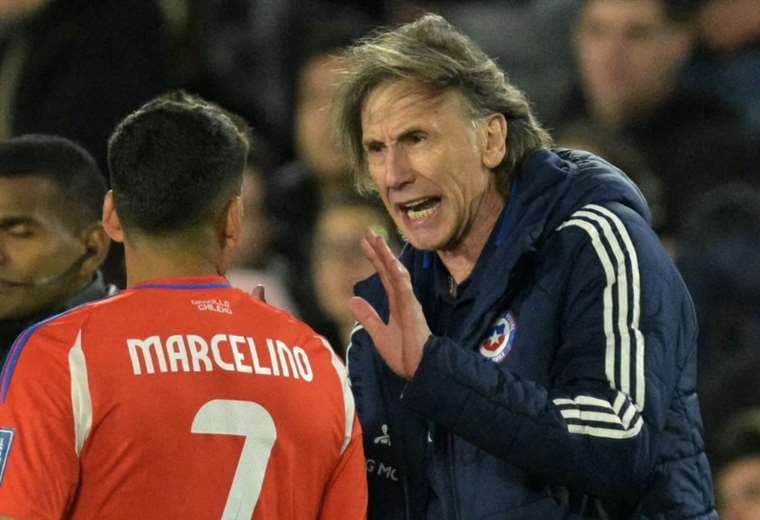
[
  {"x": 365, "y": 314},
  {"x": 258, "y": 293}
]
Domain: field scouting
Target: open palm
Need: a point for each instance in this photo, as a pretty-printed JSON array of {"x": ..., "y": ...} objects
[{"x": 401, "y": 340}]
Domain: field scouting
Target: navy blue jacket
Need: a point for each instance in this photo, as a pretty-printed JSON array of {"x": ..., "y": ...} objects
[{"x": 559, "y": 381}]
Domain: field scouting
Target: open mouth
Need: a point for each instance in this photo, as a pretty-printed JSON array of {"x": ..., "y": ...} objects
[{"x": 420, "y": 208}]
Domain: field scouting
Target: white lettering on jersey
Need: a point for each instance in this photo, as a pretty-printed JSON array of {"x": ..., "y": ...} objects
[
  {"x": 193, "y": 353},
  {"x": 222, "y": 306}
]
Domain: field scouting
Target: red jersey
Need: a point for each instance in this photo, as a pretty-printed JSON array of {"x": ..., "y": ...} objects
[{"x": 178, "y": 398}]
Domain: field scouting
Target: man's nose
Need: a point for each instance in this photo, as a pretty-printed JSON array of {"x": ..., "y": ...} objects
[{"x": 398, "y": 168}]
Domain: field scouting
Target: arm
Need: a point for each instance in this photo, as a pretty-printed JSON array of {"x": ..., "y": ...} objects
[
  {"x": 40, "y": 461},
  {"x": 346, "y": 495},
  {"x": 591, "y": 420}
]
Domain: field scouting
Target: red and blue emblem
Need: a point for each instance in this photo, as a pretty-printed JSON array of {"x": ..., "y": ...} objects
[{"x": 499, "y": 338}]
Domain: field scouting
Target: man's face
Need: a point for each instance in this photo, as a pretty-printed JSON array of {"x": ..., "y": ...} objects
[
  {"x": 338, "y": 262},
  {"x": 425, "y": 157},
  {"x": 738, "y": 489},
  {"x": 629, "y": 55},
  {"x": 20, "y": 8},
  {"x": 34, "y": 245},
  {"x": 314, "y": 141}
]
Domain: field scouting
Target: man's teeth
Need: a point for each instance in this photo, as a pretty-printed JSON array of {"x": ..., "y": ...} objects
[
  {"x": 421, "y": 209},
  {"x": 417, "y": 214}
]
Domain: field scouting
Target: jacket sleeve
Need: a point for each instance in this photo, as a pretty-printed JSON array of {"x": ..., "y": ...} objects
[{"x": 624, "y": 320}]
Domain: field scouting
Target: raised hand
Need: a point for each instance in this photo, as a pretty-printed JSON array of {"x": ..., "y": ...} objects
[{"x": 401, "y": 340}]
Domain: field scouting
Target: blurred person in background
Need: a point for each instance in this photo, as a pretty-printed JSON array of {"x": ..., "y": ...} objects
[
  {"x": 337, "y": 261},
  {"x": 716, "y": 255},
  {"x": 74, "y": 68},
  {"x": 727, "y": 63},
  {"x": 255, "y": 262},
  {"x": 620, "y": 151},
  {"x": 298, "y": 191},
  {"x": 630, "y": 55},
  {"x": 51, "y": 239},
  {"x": 536, "y": 51},
  {"x": 737, "y": 470}
]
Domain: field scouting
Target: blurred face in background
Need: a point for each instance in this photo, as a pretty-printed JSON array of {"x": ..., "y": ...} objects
[
  {"x": 738, "y": 487},
  {"x": 20, "y": 8},
  {"x": 725, "y": 25},
  {"x": 629, "y": 55},
  {"x": 315, "y": 142},
  {"x": 338, "y": 262},
  {"x": 255, "y": 236}
]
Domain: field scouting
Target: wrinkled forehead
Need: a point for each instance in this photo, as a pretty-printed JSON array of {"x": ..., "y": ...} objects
[{"x": 402, "y": 100}]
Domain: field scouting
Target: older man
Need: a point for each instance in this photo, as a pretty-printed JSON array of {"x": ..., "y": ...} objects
[{"x": 531, "y": 352}]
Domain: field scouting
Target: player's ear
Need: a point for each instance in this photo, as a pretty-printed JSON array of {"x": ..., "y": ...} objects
[
  {"x": 233, "y": 223},
  {"x": 111, "y": 222}
]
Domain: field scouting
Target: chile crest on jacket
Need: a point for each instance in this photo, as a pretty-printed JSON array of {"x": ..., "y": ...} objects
[{"x": 499, "y": 338}]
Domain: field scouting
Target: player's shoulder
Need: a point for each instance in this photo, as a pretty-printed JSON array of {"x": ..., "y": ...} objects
[
  {"x": 276, "y": 319},
  {"x": 61, "y": 326}
]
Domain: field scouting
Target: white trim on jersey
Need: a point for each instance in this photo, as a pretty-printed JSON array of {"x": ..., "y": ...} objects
[
  {"x": 348, "y": 396},
  {"x": 81, "y": 402},
  {"x": 624, "y": 341}
]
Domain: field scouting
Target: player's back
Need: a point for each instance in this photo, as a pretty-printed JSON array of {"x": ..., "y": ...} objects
[{"x": 191, "y": 399}]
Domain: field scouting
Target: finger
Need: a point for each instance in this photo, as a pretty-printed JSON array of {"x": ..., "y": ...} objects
[
  {"x": 259, "y": 293},
  {"x": 369, "y": 250},
  {"x": 389, "y": 350},
  {"x": 396, "y": 273}
]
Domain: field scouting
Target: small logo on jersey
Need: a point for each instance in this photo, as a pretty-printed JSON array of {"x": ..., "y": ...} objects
[
  {"x": 222, "y": 306},
  {"x": 6, "y": 442},
  {"x": 385, "y": 438},
  {"x": 499, "y": 338}
]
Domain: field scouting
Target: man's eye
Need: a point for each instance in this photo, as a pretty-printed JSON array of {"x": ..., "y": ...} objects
[
  {"x": 20, "y": 231},
  {"x": 417, "y": 137},
  {"x": 374, "y": 148}
]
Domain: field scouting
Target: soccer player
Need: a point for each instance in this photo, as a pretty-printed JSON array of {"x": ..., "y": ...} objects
[{"x": 181, "y": 397}]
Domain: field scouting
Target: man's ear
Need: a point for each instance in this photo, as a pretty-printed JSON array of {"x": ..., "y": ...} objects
[
  {"x": 96, "y": 244},
  {"x": 495, "y": 140},
  {"x": 232, "y": 227},
  {"x": 111, "y": 222}
]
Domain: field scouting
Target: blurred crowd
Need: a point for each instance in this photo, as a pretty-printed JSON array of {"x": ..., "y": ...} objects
[{"x": 668, "y": 90}]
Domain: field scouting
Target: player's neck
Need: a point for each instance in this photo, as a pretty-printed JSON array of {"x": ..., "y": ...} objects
[{"x": 145, "y": 264}]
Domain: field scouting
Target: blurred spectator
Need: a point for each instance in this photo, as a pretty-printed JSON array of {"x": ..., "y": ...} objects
[
  {"x": 621, "y": 152},
  {"x": 716, "y": 255},
  {"x": 75, "y": 67},
  {"x": 256, "y": 263},
  {"x": 51, "y": 238},
  {"x": 338, "y": 262},
  {"x": 737, "y": 471},
  {"x": 630, "y": 54},
  {"x": 299, "y": 190},
  {"x": 728, "y": 64},
  {"x": 250, "y": 52},
  {"x": 530, "y": 39}
]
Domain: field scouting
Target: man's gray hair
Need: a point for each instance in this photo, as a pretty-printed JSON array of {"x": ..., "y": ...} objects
[{"x": 432, "y": 53}]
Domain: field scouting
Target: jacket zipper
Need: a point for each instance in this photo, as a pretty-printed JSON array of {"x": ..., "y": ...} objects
[{"x": 452, "y": 476}]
